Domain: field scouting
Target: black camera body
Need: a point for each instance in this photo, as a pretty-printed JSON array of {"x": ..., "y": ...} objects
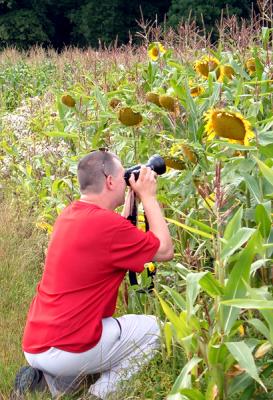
[{"x": 155, "y": 162}]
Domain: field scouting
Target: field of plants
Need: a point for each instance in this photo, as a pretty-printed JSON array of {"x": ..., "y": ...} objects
[{"x": 208, "y": 111}]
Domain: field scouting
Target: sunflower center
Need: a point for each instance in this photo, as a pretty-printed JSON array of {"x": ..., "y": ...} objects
[
  {"x": 212, "y": 65},
  {"x": 228, "y": 126},
  {"x": 206, "y": 67},
  {"x": 195, "y": 91},
  {"x": 155, "y": 52}
]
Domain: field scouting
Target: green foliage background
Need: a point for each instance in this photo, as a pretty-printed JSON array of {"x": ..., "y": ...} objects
[
  {"x": 88, "y": 23},
  {"x": 207, "y": 12}
]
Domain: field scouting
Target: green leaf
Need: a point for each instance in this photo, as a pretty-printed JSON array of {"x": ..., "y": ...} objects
[
  {"x": 235, "y": 146},
  {"x": 235, "y": 287},
  {"x": 249, "y": 303},
  {"x": 234, "y": 224},
  {"x": 102, "y": 100},
  {"x": 192, "y": 394},
  {"x": 174, "y": 64},
  {"x": 262, "y": 294},
  {"x": 260, "y": 326},
  {"x": 265, "y": 36},
  {"x": 183, "y": 380},
  {"x": 266, "y": 135},
  {"x": 239, "y": 383},
  {"x": 178, "y": 299},
  {"x": 236, "y": 241},
  {"x": 267, "y": 151},
  {"x": 244, "y": 357},
  {"x": 168, "y": 337},
  {"x": 263, "y": 220},
  {"x": 182, "y": 270},
  {"x": 192, "y": 289},
  {"x": 266, "y": 171},
  {"x": 267, "y": 371},
  {"x": 253, "y": 187},
  {"x": 211, "y": 285},
  {"x": 189, "y": 228},
  {"x": 248, "y": 392},
  {"x": 181, "y": 328},
  {"x": 204, "y": 227},
  {"x": 217, "y": 353},
  {"x": 216, "y": 378},
  {"x": 63, "y": 135}
]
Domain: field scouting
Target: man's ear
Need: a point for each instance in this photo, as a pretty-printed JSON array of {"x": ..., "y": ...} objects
[{"x": 109, "y": 182}]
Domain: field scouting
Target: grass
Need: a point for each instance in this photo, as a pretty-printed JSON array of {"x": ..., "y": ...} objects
[
  {"x": 21, "y": 256},
  {"x": 22, "y": 249}
]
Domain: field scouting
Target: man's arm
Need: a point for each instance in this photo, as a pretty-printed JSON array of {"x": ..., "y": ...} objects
[
  {"x": 145, "y": 189},
  {"x": 127, "y": 208}
]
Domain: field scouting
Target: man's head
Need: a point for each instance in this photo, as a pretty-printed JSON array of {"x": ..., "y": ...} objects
[{"x": 101, "y": 171}]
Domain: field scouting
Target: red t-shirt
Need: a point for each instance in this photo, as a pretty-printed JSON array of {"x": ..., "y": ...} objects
[{"x": 88, "y": 255}]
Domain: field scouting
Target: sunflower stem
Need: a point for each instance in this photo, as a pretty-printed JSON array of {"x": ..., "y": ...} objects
[
  {"x": 135, "y": 145},
  {"x": 247, "y": 192},
  {"x": 219, "y": 266}
]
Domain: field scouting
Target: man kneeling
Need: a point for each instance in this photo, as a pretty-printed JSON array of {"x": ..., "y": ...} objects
[{"x": 70, "y": 330}]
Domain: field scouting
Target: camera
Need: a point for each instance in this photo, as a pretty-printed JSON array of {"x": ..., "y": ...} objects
[{"x": 155, "y": 162}]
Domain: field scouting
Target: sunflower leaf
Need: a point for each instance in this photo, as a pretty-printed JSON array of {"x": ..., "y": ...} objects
[
  {"x": 189, "y": 228},
  {"x": 183, "y": 380},
  {"x": 265, "y": 170},
  {"x": 236, "y": 241},
  {"x": 242, "y": 353}
]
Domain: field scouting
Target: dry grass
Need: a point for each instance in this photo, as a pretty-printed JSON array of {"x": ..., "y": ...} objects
[
  {"x": 187, "y": 40},
  {"x": 21, "y": 256}
]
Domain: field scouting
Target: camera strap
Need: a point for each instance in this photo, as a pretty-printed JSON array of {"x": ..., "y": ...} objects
[{"x": 151, "y": 271}]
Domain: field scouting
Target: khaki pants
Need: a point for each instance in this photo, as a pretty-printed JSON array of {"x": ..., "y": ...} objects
[{"x": 126, "y": 344}]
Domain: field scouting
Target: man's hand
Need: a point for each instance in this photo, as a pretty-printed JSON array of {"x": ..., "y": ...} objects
[
  {"x": 146, "y": 184},
  {"x": 145, "y": 189}
]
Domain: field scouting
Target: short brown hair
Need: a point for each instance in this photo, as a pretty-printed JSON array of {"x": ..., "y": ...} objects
[{"x": 94, "y": 168}]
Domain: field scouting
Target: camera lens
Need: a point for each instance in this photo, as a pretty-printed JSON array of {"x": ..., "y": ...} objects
[{"x": 156, "y": 163}]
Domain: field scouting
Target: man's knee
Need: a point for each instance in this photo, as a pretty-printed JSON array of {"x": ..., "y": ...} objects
[
  {"x": 154, "y": 324},
  {"x": 144, "y": 323}
]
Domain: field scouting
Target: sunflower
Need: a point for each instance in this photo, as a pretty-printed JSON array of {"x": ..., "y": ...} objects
[
  {"x": 174, "y": 163},
  {"x": 229, "y": 125},
  {"x": 128, "y": 117},
  {"x": 156, "y": 50},
  {"x": 188, "y": 153},
  {"x": 227, "y": 71},
  {"x": 68, "y": 100},
  {"x": 169, "y": 103},
  {"x": 206, "y": 65},
  {"x": 250, "y": 66},
  {"x": 183, "y": 152},
  {"x": 114, "y": 102},
  {"x": 174, "y": 159},
  {"x": 196, "y": 91},
  {"x": 153, "y": 98}
]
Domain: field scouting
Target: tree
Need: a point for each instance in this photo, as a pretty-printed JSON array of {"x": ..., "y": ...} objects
[
  {"x": 24, "y": 23},
  {"x": 22, "y": 28},
  {"x": 209, "y": 11},
  {"x": 111, "y": 19}
]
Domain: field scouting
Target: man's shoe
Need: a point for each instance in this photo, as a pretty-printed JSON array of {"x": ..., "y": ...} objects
[{"x": 27, "y": 379}]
